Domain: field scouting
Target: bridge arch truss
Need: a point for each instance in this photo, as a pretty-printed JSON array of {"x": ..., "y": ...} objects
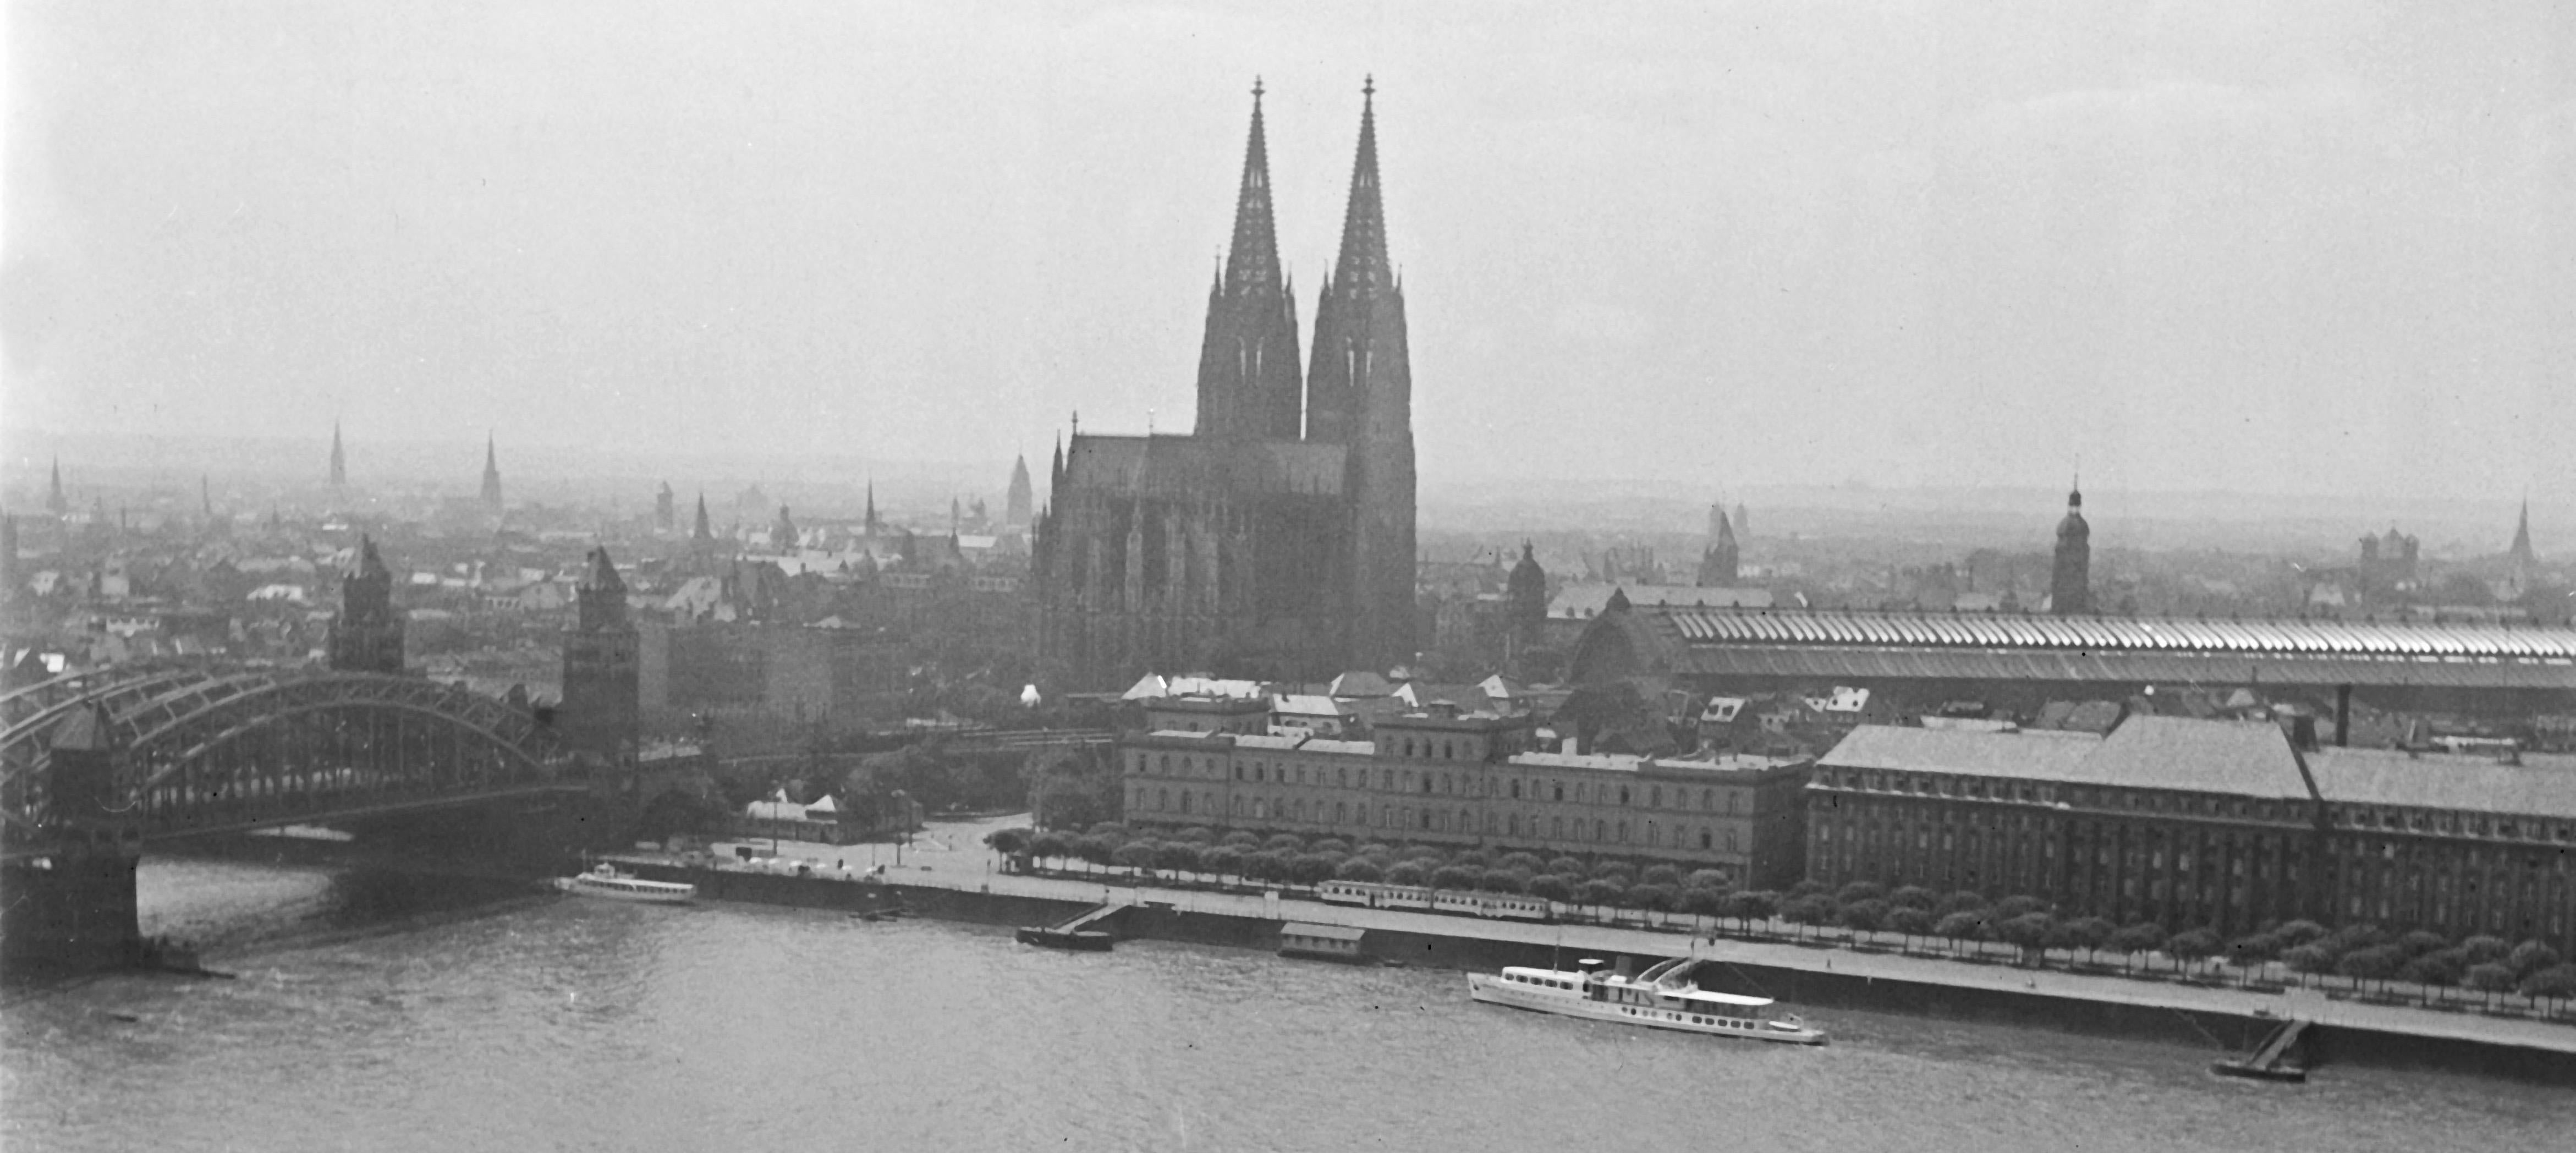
[{"x": 201, "y": 750}]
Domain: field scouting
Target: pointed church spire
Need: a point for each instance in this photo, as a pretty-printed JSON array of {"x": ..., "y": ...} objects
[
  {"x": 55, "y": 502},
  {"x": 600, "y": 595},
  {"x": 1249, "y": 379},
  {"x": 491, "y": 474},
  {"x": 702, "y": 532},
  {"x": 1363, "y": 262},
  {"x": 1719, "y": 564},
  {"x": 2521, "y": 550},
  {"x": 339, "y": 460},
  {"x": 1018, "y": 502},
  {"x": 1359, "y": 392},
  {"x": 1253, "y": 260},
  {"x": 872, "y": 506}
]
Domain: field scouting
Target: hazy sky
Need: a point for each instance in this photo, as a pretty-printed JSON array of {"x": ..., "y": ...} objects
[{"x": 2269, "y": 245}]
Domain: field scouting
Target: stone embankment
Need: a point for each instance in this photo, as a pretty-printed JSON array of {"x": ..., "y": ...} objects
[{"x": 2219, "y": 1019}]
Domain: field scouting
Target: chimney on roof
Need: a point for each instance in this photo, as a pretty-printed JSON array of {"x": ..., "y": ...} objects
[{"x": 2303, "y": 733}]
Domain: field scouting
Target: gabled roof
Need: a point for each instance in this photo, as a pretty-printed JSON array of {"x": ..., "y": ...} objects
[
  {"x": 1361, "y": 683},
  {"x": 2470, "y": 784},
  {"x": 2246, "y": 758},
  {"x": 2201, "y": 756},
  {"x": 1147, "y": 687},
  {"x": 2031, "y": 756}
]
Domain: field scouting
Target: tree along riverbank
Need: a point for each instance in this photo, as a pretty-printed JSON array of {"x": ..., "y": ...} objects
[{"x": 2482, "y": 974}]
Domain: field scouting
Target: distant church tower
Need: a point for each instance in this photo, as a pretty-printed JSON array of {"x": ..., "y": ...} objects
[
  {"x": 782, "y": 533},
  {"x": 1525, "y": 603},
  {"x": 2520, "y": 553},
  {"x": 55, "y": 502},
  {"x": 2521, "y": 567},
  {"x": 367, "y": 635},
  {"x": 1248, "y": 375},
  {"x": 1020, "y": 504},
  {"x": 339, "y": 459},
  {"x": 601, "y": 670},
  {"x": 1719, "y": 565},
  {"x": 491, "y": 477},
  {"x": 2070, "y": 582},
  {"x": 1359, "y": 392}
]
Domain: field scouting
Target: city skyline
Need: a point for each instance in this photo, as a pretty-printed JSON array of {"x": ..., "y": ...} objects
[{"x": 2182, "y": 264}]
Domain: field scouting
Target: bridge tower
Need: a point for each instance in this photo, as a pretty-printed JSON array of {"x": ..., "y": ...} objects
[
  {"x": 367, "y": 635},
  {"x": 602, "y": 688},
  {"x": 73, "y": 908}
]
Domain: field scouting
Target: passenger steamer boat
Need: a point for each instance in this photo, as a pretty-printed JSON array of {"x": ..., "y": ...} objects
[
  {"x": 606, "y": 881},
  {"x": 1662, "y": 997}
]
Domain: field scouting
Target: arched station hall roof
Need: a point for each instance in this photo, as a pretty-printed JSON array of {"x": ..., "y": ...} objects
[{"x": 1801, "y": 644}]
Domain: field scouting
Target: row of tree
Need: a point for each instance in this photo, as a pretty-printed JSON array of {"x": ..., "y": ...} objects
[{"x": 2363, "y": 953}]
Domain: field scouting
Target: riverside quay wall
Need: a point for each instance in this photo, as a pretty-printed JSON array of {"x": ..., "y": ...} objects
[{"x": 1808, "y": 977}]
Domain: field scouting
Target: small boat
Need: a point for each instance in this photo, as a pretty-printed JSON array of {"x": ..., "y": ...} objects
[
  {"x": 1662, "y": 997},
  {"x": 1083, "y": 940},
  {"x": 605, "y": 881},
  {"x": 2285, "y": 1073}
]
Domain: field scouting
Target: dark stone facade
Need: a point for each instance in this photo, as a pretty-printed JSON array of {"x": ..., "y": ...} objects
[
  {"x": 367, "y": 634},
  {"x": 602, "y": 668},
  {"x": 1255, "y": 547}
]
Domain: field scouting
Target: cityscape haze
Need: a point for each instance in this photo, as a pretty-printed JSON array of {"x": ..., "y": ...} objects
[
  {"x": 2268, "y": 249},
  {"x": 1917, "y": 563}
]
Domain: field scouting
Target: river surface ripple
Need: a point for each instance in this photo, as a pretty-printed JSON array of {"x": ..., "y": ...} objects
[{"x": 577, "y": 1025}]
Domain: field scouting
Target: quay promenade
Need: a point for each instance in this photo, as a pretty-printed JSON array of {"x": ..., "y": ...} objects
[{"x": 952, "y": 857}]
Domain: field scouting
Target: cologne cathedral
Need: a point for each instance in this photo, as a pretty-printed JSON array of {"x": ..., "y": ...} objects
[{"x": 1275, "y": 541}]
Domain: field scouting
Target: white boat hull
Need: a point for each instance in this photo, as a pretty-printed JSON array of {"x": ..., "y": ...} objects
[
  {"x": 1493, "y": 990},
  {"x": 645, "y": 892}
]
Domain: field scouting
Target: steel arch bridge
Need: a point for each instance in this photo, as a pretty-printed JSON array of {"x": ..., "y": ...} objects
[{"x": 212, "y": 749}]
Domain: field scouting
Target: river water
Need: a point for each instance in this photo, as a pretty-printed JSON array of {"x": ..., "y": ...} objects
[{"x": 367, "y": 1021}]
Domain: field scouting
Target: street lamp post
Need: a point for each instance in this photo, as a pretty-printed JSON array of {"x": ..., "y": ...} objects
[{"x": 903, "y": 815}]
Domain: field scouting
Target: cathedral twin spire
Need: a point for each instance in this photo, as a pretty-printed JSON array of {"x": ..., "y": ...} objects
[{"x": 1250, "y": 382}]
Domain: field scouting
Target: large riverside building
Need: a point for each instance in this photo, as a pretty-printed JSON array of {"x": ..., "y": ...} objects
[
  {"x": 2017, "y": 663},
  {"x": 2215, "y": 824},
  {"x": 1444, "y": 777},
  {"x": 1277, "y": 540}
]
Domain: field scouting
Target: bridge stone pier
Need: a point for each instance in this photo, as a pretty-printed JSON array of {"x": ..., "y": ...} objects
[
  {"x": 73, "y": 908},
  {"x": 71, "y": 912}
]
